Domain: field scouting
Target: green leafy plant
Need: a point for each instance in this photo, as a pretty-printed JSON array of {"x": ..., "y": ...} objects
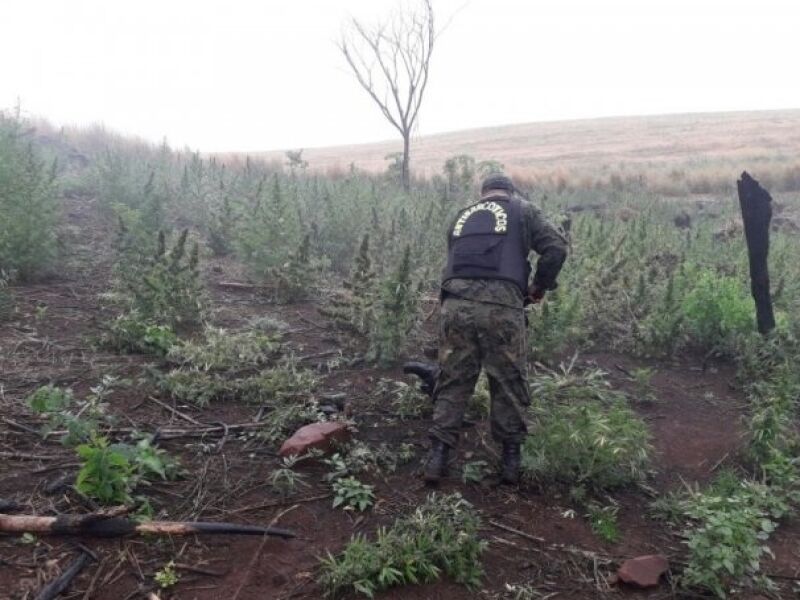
[
  {"x": 50, "y": 399},
  {"x": 161, "y": 285},
  {"x": 604, "y": 521},
  {"x": 354, "y": 308},
  {"x": 439, "y": 537},
  {"x": 131, "y": 333},
  {"x": 80, "y": 418},
  {"x": 589, "y": 443},
  {"x": 167, "y": 577},
  {"x": 475, "y": 471},
  {"x": 285, "y": 480},
  {"x": 29, "y": 209},
  {"x": 220, "y": 350},
  {"x": 717, "y": 309},
  {"x": 6, "y": 298},
  {"x": 351, "y": 494},
  {"x": 642, "y": 378},
  {"x": 110, "y": 472},
  {"x": 106, "y": 474},
  {"x": 396, "y": 314},
  {"x": 407, "y": 400}
]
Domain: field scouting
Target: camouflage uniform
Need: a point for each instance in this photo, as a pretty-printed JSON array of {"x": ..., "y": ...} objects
[{"x": 483, "y": 326}]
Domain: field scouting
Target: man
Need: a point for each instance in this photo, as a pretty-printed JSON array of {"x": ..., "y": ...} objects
[{"x": 485, "y": 287}]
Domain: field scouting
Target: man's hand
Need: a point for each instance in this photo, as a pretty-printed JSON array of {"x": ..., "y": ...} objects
[{"x": 535, "y": 294}]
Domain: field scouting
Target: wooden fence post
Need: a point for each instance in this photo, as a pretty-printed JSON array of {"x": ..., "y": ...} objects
[{"x": 756, "y": 205}]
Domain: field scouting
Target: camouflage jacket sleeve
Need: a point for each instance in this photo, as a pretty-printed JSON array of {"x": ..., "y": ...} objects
[{"x": 548, "y": 243}]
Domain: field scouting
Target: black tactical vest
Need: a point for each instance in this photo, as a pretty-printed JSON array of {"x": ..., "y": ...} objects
[{"x": 486, "y": 242}]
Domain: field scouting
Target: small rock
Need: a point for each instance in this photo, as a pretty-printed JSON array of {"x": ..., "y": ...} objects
[
  {"x": 643, "y": 571},
  {"x": 319, "y": 436}
]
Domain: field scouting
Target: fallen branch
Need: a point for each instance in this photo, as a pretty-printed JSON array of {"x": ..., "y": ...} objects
[
  {"x": 235, "y": 285},
  {"x": 108, "y": 524},
  {"x": 276, "y": 504},
  {"x": 176, "y": 412},
  {"x": 24, "y": 456},
  {"x": 60, "y": 583}
]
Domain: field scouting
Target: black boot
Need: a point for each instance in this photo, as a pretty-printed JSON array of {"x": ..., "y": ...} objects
[
  {"x": 428, "y": 372},
  {"x": 436, "y": 466},
  {"x": 511, "y": 463}
]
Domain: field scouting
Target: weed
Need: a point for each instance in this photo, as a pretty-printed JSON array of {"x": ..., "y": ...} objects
[
  {"x": 474, "y": 471},
  {"x": 351, "y": 494},
  {"x": 297, "y": 278},
  {"x": 285, "y": 480},
  {"x": 716, "y": 310},
  {"x": 80, "y": 420},
  {"x": 110, "y": 472},
  {"x": 193, "y": 386},
  {"x": 161, "y": 286},
  {"x": 642, "y": 378},
  {"x": 106, "y": 474},
  {"x": 28, "y": 204},
  {"x": 131, "y": 333},
  {"x": 406, "y": 399},
  {"x": 397, "y": 304},
  {"x": 585, "y": 434},
  {"x": 354, "y": 309},
  {"x": 50, "y": 399},
  {"x": 521, "y": 591},
  {"x": 222, "y": 350},
  {"x": 6, "y": 298},
  {"x": 604, "y": 522},
  {"x": 167, "y": 577},
  {"x": 439, "y": 537},
  {"x": 587, "y": 443}
]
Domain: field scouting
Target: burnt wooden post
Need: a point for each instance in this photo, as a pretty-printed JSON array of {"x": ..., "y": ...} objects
[{"x": 756, "y": 205}]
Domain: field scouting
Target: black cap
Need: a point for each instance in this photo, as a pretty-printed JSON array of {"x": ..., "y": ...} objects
[{"x": 497, "y": 181}]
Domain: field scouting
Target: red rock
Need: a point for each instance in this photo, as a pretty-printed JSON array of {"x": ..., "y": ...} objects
[
  {"x": 643, "y": 571},
  {"x": 320, "y": 436}
]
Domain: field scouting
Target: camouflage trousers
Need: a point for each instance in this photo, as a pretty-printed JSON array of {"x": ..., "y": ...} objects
[{"x": 474, "y": 335}]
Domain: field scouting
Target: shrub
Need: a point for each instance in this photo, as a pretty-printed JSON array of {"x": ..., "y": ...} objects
[
  {"x": 109, "y": 473},
  {"x": 716, "y": 310},
  {"x": 130, "y": 333},
  {"x": 297, "y": 278},
  {"x": 440, "y": 537},
  {"x": 106, "y": 473},
  {"x": 351, "y": 494},
  {"x": 406, "y": 400},
  {"x": 589, "y": 443},
  {"x": 28, "y": 204},
  {"x": 354, "y": 310},
  {"x": 726, "y": 542},
  {"x": 585, "y": 435},
  {"x": 221, "y": 350},
  {"x": 162, "y": 288},
  {"x": 396, "y": 315},
  {"x": 285, "y": 480},
  {"x": 6, "y": 299}
]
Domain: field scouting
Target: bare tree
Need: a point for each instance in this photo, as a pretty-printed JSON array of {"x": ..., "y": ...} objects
[{"x": 391, "y": 62}]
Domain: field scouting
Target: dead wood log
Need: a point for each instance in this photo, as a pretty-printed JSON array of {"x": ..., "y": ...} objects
[
  {"x": 59, "y": 584},
  {"x": 235, "y": 285},
  {"x": 109, "y": 524},
  {"x": 756, "y": 206}
]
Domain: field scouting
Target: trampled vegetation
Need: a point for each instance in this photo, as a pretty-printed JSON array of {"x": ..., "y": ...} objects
[{"x": 660, "y": 281}]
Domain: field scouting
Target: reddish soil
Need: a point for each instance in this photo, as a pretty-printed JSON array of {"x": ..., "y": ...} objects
[{"x": 696, "y": 423}]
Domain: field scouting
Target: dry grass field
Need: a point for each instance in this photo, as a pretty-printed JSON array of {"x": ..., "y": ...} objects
[{"x": 696, "y": 149}]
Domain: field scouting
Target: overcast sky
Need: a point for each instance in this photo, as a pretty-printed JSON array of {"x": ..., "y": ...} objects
[{"x": 258, "y": 75}]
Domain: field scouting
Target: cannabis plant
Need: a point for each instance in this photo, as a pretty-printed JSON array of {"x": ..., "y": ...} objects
[{"x": 28, "y": 204}]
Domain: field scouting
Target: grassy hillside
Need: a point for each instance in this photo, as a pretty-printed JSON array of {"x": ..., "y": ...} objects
[{"x": 675, "y": 153}]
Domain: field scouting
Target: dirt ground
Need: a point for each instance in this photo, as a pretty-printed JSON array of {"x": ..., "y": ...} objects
[{"x": 696, "y": 424}]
